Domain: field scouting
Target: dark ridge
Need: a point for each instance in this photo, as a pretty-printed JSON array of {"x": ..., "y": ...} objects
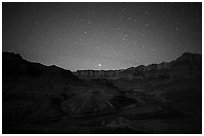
[{"x": 13, "y": 65}]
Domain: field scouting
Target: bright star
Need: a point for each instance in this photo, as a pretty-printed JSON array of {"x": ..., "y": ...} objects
[{"x": 99, "y": 65}]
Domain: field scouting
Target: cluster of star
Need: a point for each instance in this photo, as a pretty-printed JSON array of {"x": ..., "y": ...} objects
[{"x": 101, "y": 35}]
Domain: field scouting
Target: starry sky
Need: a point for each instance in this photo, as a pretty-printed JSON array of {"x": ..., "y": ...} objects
[{"x": 99, "y": 35}]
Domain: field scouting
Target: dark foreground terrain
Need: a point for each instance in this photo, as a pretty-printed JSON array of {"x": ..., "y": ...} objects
[{"x": 159, "y": 98}]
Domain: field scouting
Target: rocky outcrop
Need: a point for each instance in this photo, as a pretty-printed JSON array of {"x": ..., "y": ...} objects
[
  {"x": 33, "y": 92},
  {"x": 110, "y": 74},
  {"x": 13, "y": 65},
  {"x": 186, "y": 65},
  {"x": 89, "y": 103},
  {"x": 30, "y": 89}
]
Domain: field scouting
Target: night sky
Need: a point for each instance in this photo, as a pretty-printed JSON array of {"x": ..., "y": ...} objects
[{"x": 101, "y": 35}]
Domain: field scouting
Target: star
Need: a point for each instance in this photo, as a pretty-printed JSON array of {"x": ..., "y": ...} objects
[
  {"x": 99, "y": 65},
  {"x": 122, "y": 10},
  {"x": 178, "y": 29},
  {"x": 85, "y": 32},
  {"x": 154, "y": 49},
  {"x": 36, "y": 22}
]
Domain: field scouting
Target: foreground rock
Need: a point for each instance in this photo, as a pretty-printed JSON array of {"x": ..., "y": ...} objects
[
  {"x": 35, "y": 92},
  {"x": 87, "y": 104}
]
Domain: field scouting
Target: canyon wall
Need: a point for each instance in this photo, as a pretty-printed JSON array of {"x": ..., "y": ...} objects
[{"x": 187, "y": 65}]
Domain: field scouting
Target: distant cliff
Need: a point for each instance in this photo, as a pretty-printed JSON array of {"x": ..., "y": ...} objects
[{"x": 186, "y": 65}]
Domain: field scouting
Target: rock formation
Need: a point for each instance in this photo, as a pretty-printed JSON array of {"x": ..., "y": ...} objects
[
  {"x": 32, "y": 91},
  {"x": 188, "y": 64},
  {"x": 48, "y": 97}
]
